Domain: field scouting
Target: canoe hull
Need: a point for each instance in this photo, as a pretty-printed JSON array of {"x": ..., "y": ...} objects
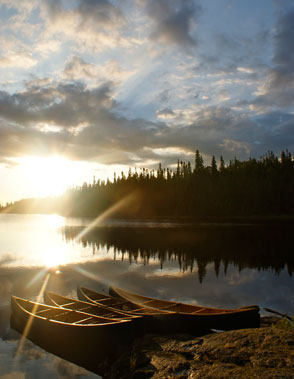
[
  {"x": 93, "y": 309},
  {"x": 85, "y": 345},
  {"x": 213, "y": 318},
  {"x": 153, "y": 321}
]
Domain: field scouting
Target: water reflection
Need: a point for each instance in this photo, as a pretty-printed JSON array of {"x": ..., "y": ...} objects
[
  {"x": 213, "y": 266},
  {"x": 34, "y": 240},
  {"x": 262, "y": 248}
]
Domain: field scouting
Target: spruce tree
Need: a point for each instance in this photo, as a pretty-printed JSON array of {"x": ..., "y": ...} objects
[
  {"x": 199, "y": 164},
  {"x": 213, "y": 165}
]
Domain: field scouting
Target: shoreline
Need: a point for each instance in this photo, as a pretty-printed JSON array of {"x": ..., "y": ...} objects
[
  {"x": 264, "y": 352},
  {"x": 195, "y": 221}
]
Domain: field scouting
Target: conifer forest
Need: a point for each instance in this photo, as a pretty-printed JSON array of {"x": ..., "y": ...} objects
[{"x": 254, "y": 187}]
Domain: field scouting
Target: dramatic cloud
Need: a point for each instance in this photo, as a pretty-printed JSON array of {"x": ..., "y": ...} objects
[
  {"x": 78, "y": 69},
  {"x": 283, "y": 40},
  {"x": 61, "y": 104},
  {"x": 84, "y": 124},
  {"x": 88, "y": 14},
  {"x": 100, "y": 12},
  {"x": 278, "y": 89},
  {"x": 138, "y": 82},
  {"x": 91, "y": 24},
  {"x": 173, "y": 21}
]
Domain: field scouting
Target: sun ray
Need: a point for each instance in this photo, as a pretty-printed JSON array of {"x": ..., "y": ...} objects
[
  {"x": 38, "y": 276},
  {"x": 30, "y": 320},
  {"x": 120, "y": 204},
  {"x": 89, "y": 275}
]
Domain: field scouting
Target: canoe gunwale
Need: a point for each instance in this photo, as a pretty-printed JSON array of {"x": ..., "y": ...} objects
[
  {"x": 214, "y": 311},
  {"x": 17, "y": 307},
  {"x": 149, "y": 311}
]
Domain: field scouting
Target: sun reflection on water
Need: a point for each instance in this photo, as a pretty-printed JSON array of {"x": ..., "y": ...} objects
[
  {"x": 55, "y": 221},
  {"x": 53, "y": 259},
  {"x": 36, "y": 241}
]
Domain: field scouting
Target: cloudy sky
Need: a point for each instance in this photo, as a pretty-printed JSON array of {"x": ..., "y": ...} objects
[{"x": 89, "y": 87}]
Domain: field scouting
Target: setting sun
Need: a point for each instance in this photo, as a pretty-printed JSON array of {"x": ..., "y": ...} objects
[
  {"x": 49, "y": 176},
  {"x": 39, "y": 176}
]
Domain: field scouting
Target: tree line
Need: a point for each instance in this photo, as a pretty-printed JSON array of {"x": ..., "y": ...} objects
[{"x": 253, "y": 187}]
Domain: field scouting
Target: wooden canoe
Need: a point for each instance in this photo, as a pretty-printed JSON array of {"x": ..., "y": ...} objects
[
  {"x": 215, "y": 318},
  {"x": 175, "y": 317},
  {"x": 128, "y": 307},
  {"x": 86, "y": 307},
  {"x": 154, "y": 320},
  {"x": 75, "y": 336}
]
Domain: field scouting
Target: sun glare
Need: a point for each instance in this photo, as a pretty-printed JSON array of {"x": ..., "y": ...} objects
[
  {"x": 55, "y": 221},
  {"x": 53, "y": 258},
  {"x": 48, "y": 176}
]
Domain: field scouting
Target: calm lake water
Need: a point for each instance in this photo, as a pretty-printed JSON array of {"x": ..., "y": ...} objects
[{"x": 213, "y": 265}]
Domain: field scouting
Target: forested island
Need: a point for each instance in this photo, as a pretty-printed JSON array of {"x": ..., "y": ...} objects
[{"x": 261, "y": 187}]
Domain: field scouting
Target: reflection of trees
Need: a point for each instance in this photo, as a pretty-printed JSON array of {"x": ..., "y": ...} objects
[{"x": 261, "y": 247}]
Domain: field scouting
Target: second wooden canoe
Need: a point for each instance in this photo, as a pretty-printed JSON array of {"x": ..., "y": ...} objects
[
  {"x": 215, "y": 318},
  {"x": 154, "y": 320}
]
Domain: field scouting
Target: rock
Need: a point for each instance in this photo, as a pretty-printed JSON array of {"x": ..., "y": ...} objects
[{"x": 266, "y": 352}]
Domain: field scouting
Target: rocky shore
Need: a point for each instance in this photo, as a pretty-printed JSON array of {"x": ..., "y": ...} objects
[{"x": 266, "y": 352}]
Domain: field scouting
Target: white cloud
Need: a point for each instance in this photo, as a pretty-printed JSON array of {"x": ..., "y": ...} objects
[
  {"x": 77, "y": 68},
  {"x": 23, "y": 59},
  {"x": 224, "y": 96},
  {"x": 90, "y": 25},
  {"x": 246, "y": 70},
  {"x": 237, "y": 147}
]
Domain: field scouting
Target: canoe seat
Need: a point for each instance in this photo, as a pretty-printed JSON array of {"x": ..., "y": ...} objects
[
  {"x": 83, "y": 321},
  {"x": 169, "y": 306},
  {"x": 198, "y": 311},
  {"x": 103, "y": 300},
  {"x": 50, "y": 313},
  {"x": 154, "y": 303}
]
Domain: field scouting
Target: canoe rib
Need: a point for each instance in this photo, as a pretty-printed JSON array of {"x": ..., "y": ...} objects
[
  {"x": 115, "y": 303},
  {"x": 153, "y": 320},
  {"x": 86, "y": 307}
]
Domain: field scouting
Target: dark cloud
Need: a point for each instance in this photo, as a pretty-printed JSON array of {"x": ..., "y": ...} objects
[
  {"x": 54, "y": 8},
  {"x": 229, "y": 51},
  {"x": 173, "y": 21},
  {"x": 86, "y": 120},
  {"x": 283, "y": 41},
  {"x": 99, "y": 12},
  {"x": 165, "y": 113},
  {"x": 221, "y": 131},
  {"x": 60, "y": 104},
  {"x": 77, "y": 67},
  {"x": 16, "y": 140},
  {"x": 278, "y": 90},
  {"x": 82, "y": 123},
  {"x": 87, "y": 15}
]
